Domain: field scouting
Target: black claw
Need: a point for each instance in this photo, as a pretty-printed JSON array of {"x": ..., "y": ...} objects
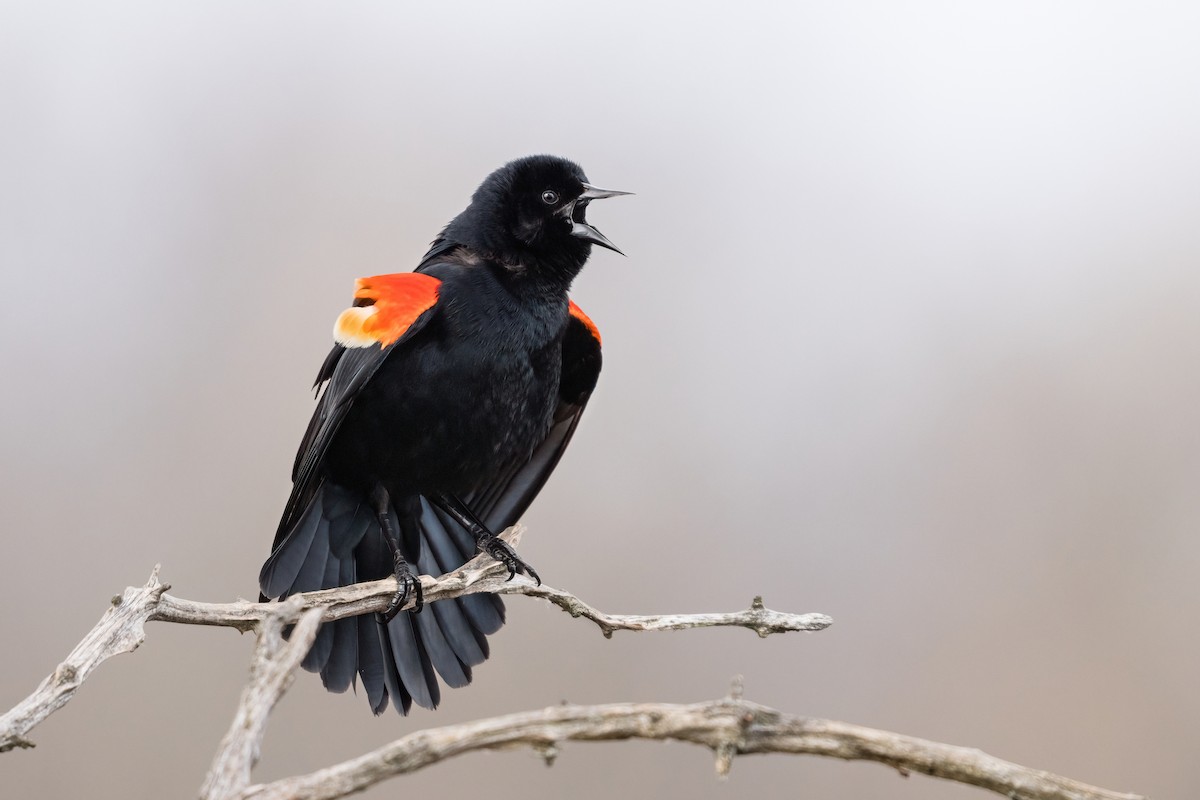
[
  {"x": 407, "y": 585},
  {"x": 487, "y": 541},
  {"x": 503, "y": 552},
  {"x": 419, "y": 602}
]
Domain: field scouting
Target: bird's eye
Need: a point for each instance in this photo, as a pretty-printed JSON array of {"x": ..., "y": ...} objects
[{"x": 549, "y": 197}]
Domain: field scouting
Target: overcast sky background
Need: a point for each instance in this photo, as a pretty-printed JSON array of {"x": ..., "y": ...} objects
[{"x": 908, "y": 334}]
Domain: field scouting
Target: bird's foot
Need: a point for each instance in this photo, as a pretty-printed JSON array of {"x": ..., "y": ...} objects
[
  {"x": 407, "y": 585},
  {"x": 500, "y": 550}
]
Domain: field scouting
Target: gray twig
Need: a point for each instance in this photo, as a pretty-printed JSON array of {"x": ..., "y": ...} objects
[
  {"x": 270, "y": 676},
  {"x": 121, "y": 629},
  {"x": 729, "y": 727}
]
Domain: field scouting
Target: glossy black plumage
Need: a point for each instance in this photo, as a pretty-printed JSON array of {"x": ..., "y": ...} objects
[{"x": 471, "y": 407}]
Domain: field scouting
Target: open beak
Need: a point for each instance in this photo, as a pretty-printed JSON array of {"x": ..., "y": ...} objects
[
  {"x": 587, "y": 232},
  {"x": 596, "y": 193}
]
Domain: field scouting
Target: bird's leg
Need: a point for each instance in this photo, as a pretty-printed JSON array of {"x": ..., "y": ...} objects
[
  {"x": 407, "y": 584},
  {"x": 485, "y": 540}
]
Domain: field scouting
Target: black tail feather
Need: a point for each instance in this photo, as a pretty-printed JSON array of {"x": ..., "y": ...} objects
[
  {"x": 391, "y": 677},
  {"x": 278, "y": 574},
  {"x": 336, "y": 541},
  {"x": 339, "y": 669},
  {"x": 322, "y": 647},
  {"x": 412, "y": 662},
  {"x": 440, "y": 556},
  {"x": 453, "y": 546},
  {"x": 372, "y": 669}
]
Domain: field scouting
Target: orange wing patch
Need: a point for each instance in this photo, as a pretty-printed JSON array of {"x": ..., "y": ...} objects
[
  {"x": 392, "y": 304},
  {"x": 578, "y": 314}
]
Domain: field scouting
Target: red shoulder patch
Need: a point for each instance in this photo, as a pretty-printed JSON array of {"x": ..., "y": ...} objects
[
  {"x": 393, "y": 303},
  {"x": 578, "y": 314}
]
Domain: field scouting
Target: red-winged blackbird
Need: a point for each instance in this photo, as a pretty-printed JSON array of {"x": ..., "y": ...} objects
[{"x": 450, "y": 395}]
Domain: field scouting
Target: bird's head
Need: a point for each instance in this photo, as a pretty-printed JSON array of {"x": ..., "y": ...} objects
[{"x": 530, "y": 215}]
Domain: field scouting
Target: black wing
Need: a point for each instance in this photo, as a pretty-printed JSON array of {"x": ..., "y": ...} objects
[
  {"x": 345, "y": 372},
  {"x": 501, "y": 502}
]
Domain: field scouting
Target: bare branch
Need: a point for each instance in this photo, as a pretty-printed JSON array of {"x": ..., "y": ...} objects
[
  {"x": 482, "y": 574},
  {"x": 121, "y": 630},
  {"x": 728, "y": 727},
  {"x": 271, "y": 674},
  {"x": 757, "y": 618}
]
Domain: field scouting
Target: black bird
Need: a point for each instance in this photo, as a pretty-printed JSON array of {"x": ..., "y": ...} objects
[{"x": 449, "y": 397}]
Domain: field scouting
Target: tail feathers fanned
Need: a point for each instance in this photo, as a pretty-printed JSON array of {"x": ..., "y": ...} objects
[{"x": 336, "y": 541}]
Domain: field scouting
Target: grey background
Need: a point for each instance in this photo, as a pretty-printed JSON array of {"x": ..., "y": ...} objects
[{"x": 907, "y": 334}]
